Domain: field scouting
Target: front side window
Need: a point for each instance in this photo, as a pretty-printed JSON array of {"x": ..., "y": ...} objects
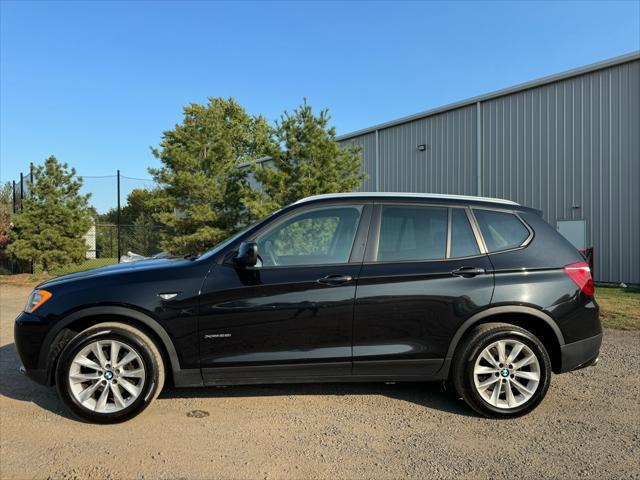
[
  {"x": 314, "y": 237},
  {"x": 412, "y": 233},
  {"x": 501, "y": 230}
]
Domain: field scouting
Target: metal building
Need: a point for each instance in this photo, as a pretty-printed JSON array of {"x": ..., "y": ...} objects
[{"x": 568, "y": 144}]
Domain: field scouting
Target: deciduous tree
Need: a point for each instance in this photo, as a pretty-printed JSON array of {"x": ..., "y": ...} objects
[{"x": 6, "y": 209}]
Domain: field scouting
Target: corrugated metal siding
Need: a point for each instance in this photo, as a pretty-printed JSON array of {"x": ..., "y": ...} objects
[
  {"x": 570, "y": 148},
  {"x": 368, "y": 154},
  {"x": 447, "y": 165}
]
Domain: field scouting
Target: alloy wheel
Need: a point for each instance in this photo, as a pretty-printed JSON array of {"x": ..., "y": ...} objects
[
  {"x": 506, "y": 374},
  {"x": 106, "y": 376}
]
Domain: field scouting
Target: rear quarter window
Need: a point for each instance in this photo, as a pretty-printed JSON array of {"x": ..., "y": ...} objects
[{"x": 501, "y": 230}]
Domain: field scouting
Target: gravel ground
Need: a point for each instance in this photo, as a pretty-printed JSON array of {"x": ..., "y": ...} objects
[{"x": 588, "y": 427}]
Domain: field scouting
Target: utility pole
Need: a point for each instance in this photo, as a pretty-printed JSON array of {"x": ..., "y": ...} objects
[
  {"x": 118, "y": 219},
  {"x": 21, "y": 189}
]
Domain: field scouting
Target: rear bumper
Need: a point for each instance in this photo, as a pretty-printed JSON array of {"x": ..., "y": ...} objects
[{"x": 580, "y": 354}]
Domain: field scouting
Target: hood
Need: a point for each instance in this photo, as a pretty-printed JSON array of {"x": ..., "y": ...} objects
[{"x": 118, "y": 269}]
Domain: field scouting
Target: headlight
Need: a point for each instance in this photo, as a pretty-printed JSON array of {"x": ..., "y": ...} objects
[{"x": 37, "y": 298}]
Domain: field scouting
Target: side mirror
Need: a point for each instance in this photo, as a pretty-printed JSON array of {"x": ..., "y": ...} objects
[{"x": 247, "y": 254}]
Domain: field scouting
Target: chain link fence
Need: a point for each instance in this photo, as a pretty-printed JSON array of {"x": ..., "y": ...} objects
[{"x": 119, "y": 228}]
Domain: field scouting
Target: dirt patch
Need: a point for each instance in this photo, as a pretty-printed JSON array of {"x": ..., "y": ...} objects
[
  {"x": 588, "y": 427},
  {"x": 23, "y": 280}
]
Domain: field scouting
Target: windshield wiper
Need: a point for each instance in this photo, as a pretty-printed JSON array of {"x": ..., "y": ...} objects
[{"x": 192, "y": 256}]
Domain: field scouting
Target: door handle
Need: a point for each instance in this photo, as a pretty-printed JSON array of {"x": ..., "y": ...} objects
[
  {"x": 335, "y": 279},
  {"x": 468, "y": 271}
]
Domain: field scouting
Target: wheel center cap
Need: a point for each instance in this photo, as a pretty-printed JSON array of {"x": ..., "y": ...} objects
[
  {"x": 108, "y": 374},
  {"x": 504, "y": 372}
]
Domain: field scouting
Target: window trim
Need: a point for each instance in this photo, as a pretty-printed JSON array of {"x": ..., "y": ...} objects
[
  {"x": 447, "y": 248},
  {"x": 524, "y": 243},
  {"x": 476, "y": 231},
  {"x": 359, "y": 240}
]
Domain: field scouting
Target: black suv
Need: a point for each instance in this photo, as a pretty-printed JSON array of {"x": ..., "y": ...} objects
[{"x": 341, "y": 287}]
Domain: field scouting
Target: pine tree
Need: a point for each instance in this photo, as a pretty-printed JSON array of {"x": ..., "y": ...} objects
[
  {"x": 202, "y": 192},
  {"x": 142, "y": 236},
  {"x": 306, "y": 160},
  {"x": 54, "y": 218}
]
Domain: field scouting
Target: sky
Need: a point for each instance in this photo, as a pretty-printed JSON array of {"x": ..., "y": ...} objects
[{"x": 96, "y": 83}]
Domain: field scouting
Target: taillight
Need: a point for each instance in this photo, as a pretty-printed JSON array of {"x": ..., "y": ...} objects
[{"x": 580, "y": 273}]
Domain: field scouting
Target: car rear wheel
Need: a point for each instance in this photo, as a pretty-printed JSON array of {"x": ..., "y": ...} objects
[
  {"x": 501, "y": 370},
  {"x": 109, "y": 373}
]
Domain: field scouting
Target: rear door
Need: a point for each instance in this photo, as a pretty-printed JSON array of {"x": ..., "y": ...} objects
[{"x": 424, "y": 274}]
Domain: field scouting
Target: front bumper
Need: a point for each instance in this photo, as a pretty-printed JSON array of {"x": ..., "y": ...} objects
[
  {"x": 580, "y": 354},
  {"x": 29, "y": 333}
]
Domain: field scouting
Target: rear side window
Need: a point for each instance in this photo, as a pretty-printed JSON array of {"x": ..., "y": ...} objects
[
  {"x": 501, "y": 230},
  {"x": 463, "y": 241},
  {"x": 412, "y": 233}
]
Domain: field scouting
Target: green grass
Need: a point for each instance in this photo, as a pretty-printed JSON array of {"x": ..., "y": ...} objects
[
  {"x": 86, "y": 265},
  {"x": 619, "y": 307}
]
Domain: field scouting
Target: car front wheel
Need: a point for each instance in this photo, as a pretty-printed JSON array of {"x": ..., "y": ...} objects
[
  {"x": 109, "y": 373},
  {"x": 501, "y": 370}
]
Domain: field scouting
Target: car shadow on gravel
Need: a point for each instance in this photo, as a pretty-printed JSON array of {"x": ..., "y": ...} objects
[
  {"x": 425, "y": 394},
  {"x": 15, "y": 385}
]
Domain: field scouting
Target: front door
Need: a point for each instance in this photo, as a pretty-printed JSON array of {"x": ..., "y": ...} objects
[
  {"x": 423, "y": 275},
  {"x": 291, "y": 315}
]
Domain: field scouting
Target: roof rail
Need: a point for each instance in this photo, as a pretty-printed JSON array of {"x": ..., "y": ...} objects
[{"x": 426, "y": 196}]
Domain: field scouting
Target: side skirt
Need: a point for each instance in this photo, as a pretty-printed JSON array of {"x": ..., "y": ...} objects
[
  {"x": 375, "y": 371},
  {"x": 327, "y": 379},
  {"x": 190, "y": 377}
]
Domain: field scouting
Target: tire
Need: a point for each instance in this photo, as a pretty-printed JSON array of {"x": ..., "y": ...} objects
[
  {"x": 449, "y": 389},
  {"x": 98, "y": 390},
  {"x": 476, "y": 378}
]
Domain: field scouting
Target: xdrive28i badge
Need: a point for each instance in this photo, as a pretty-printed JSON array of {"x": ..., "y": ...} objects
[{"x": 217, "y": 335}]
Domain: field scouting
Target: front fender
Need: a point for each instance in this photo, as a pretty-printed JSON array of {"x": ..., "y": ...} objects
[{"x": 58, "y": 336}]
